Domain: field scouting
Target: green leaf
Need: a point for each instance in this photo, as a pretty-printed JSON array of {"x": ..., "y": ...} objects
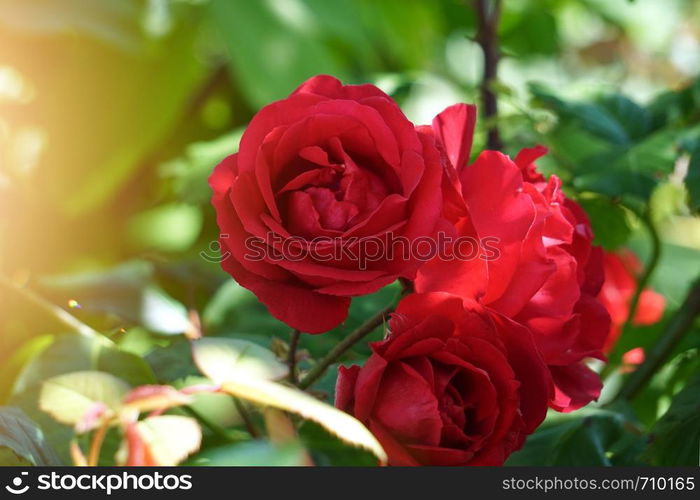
[
  {"x": 68, "y": 397},
  {"x": 170, "y": 438},
  {"x": 217, "y": 407},
  {"x": 675, "y": 439},
  {"x": 609, "y": 220},
  {"x": 22, "y": 441},
  {"x": 265, "y": 45},
  {"x": 618, "y": 184},
  {"x": 223, "y": 359},
  {"x": 589, "y": 438},
  {"x": 190, "y": 173},
  {"x": 631, "y": 116},
  {"x": 173, "y": 361},
  {"x": 251, "y": 454},
  {"x": 68, "y": 354},
  {"x": 226, "y": 307},
  {"x": 592, "y": 118},
  {"x": 128, "y": 291},
  {"x": 327, "y": 450},
  {"x": 534, "y": 32}
]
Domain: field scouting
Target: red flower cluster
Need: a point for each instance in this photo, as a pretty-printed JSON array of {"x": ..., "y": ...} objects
[{"x": 485, "y": 345}]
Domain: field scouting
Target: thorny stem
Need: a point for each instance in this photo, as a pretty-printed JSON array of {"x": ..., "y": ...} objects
[
  {"x": 488, "y": 13},
  {"x": 342, "y": 347}
]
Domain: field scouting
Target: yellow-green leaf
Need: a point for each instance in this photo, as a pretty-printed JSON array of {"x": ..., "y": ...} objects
[
  {"x": 223, "y": 359},
  {"x": 170, "y": 438},
  {"x": 343, "y": 425},
  {"x": 68, "y": 397}
]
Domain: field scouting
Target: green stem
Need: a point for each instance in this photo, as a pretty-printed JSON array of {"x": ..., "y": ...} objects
[
  {"x": 643, "y": 282},
  {"x": 341, "y": 348},
  {"x": 648, "y": 270},
  {"x": 678, "y": 327}
]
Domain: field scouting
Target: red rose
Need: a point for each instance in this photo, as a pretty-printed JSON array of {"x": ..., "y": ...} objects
[
  {"x": 621, "y": 270},
  {"x": 327, "y": 168},
  {"x": 453, "y": 384},
  {"x": 547, "y": 273}
]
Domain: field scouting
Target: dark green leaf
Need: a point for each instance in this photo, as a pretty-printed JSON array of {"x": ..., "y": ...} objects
[
  {"x": 609, "y": 220},
  {"x": 588, "y": 438},
  {"x": 23, "y": 439},
  {"x": 252, "y": 453},
  {"x": 327, "y": 449},
  {"x": 265, "y": 45},
  {"x": 592, "y": 118},
  {"x": 634, "y": 119},
  {"x": 676, "y": 436}
]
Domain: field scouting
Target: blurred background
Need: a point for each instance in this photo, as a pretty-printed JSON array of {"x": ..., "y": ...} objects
[{"x": 114, "y": 112}]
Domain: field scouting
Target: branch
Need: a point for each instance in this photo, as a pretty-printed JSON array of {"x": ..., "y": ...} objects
[
  {"x": 342, "y": 347},
  {"x": 677, "y": 328},
  {"x": 488, "y": 13},
  {"x": 649, "y": 268}
]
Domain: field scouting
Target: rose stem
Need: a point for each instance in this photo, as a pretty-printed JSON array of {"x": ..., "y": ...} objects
[
  {"x": 488, "y": 13},
  {"x": 247, "y": 419},
  {"x": 292, "y": 355},
  {"x": 342, "y": 347},
  {"x": 96, "y": 445},
  {"x": 649, "y": 268},
  {"x": 680, "y": 324},
  {"x": 647, "y": 218}
]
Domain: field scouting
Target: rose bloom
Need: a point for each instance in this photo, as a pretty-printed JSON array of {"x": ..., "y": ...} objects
[
  {"x": 621, "y": 270},
  {"x": 453, "y": 384},
  {"x": 330, "y": 165},
  {"x": 547, "y": 274}
]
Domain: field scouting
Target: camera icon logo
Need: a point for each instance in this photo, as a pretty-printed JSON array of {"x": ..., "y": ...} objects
[{"x": 16, "y": 488}]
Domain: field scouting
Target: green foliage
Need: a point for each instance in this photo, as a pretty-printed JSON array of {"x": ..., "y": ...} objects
[
  {"x": 692, "y": 179},
  {"x": 66, "y": 355},
  {"x": 67, "y": 398},
  {"x": 251, "y": 454},
  {"x": 227, "y": 359},
  {"x": 676, "y": 435},
  {"x": 21, "y": 441},
  {"x": 610, "y": 221},
  {"x": 594, "y": 437},
  {"x": 107, "y": 262}
]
